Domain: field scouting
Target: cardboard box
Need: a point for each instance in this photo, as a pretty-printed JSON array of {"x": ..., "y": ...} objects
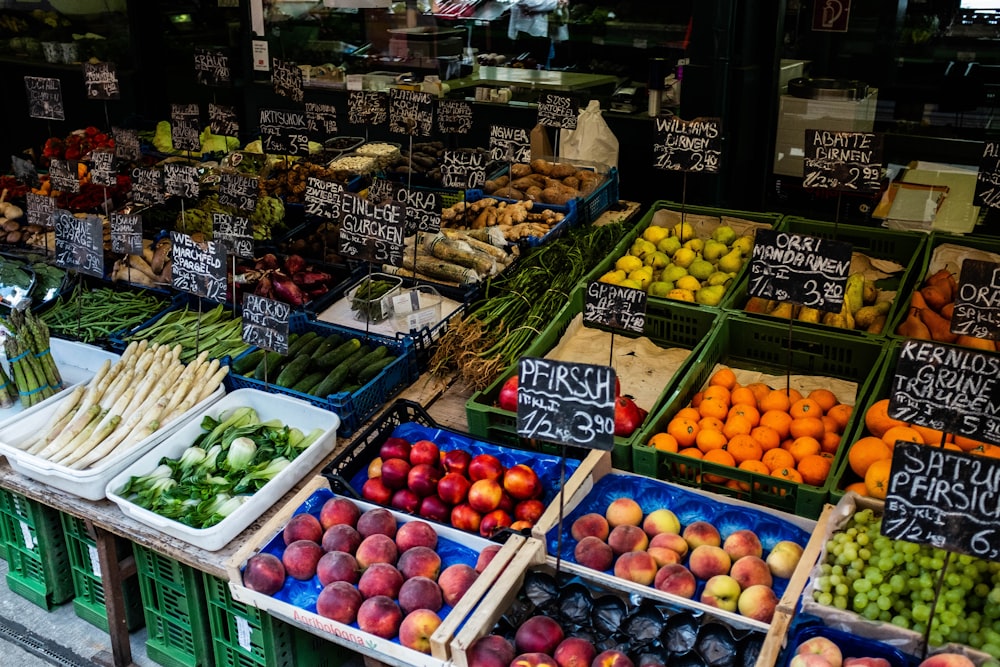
[{"x": 797, "y": 114}]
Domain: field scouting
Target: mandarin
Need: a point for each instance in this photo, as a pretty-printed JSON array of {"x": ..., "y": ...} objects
[
  {"x": 713, "y": 407},
  {"x": 814, "y": 469},
  {"x": 877, "y": 478},
  {"x": 755, "y": 467},
  {"x": 778, "y": 458},
  {"x": 780, "y": 421},
  {"x": 775, "y": 400},
  {"x": 766, "y": 437},
  {"x": 718, "y": 393},
  {"x": 865, "y": 452},
  {"x": 806, "y": 426},
  {"x": 724, "y": 377},
  {"x": 744, "y": 448},
  {"x": 683, "y": 430},
  {"x": 721, "y": 457},
  {"x": 905, "y": 433},
  {"x": 748, "y": 411},
  {"x": 743, "y": 396},
  {"x": 840, "y": 413},
  {"x": 824, "y": 397},
  {"x": 804, "y": 446},
  {"x": 805, "y": 407},
  {"x": 664, "y": 442},
  {"x": 709, "y": 439},
  {"x": 877, "y": 418},
  {"x": 737, "y": 426}
]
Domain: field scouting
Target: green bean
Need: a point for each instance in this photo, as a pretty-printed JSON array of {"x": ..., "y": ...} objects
[{"x": 92, "y": 314}]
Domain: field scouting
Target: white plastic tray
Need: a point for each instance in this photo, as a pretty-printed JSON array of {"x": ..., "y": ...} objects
[
  {"x": 291, "y": 411},
  {"x": 77, "y": 363}
]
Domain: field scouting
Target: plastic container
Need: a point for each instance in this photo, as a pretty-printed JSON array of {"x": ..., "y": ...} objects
[
  {"x": 851, "y": 646},
  {"x": 38, "y": 566},
  {"x": 242, "y": 635},
  {"x": 591, "y": 206},
  {"x": 374, "y": 309},
  {"x": 570, "y": 217},
  {"x": 290, "y": 411}
]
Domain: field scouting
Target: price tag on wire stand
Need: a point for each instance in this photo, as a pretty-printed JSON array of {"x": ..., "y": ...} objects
[
  {"x": 615, "y": 306},
  {"x": 411, "y": 112},
  {"x": 44, "y": 98},
  {"x": 284, "y": 132},
  {"x": 560, "y": 111},
  {"x": 370, "y": 232},
  {"x": 566, "y": 403},
  {"x": 198, "y": 268},
  {"x": 126, "y": 233},
  {"x": 185, "y": 127},
  {"x": 100, "y": 81},
  {"x": 803, "y": 269},
  {"x": 843, "y": 161},
  {"x": 223, "y": 120},
  {"x": 265, "y": 323},
  {"x": 79, "y": 243},
  {"x": 693, "y": 146},
  {"x": 238, "y": 191},
  {"x": 977, "y": 303},
  {"x": 454, "y": 117},
  {"x": 367, "y": 107},
  {"x": 509, "y": 144},
  {"x": 211, "y": 68}
]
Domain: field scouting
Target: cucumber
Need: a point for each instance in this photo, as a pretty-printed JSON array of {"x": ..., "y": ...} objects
[
  {"x": 331, "y": 382},
  {"x": 338, "y": 354},
  {"x": 310, "y": 346},
  {"x": 273, "y": 366},
  {"x": 248, "y": 362},
  {"x": 373, "y": 356},
  {"x": 329, "y": 343},
  {"x": 349, "y": 388},
  {"x": 373, "y": 369},
  {"x": 293, "y": 371},
  {"x": 308, "y": 382},
  {"x": 293, "y": 348}
]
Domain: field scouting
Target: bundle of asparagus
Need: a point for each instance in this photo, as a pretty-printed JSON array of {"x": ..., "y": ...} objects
[{"x": 35, "y": 374}]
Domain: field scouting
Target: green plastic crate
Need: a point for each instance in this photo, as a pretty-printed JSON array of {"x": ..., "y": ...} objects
[
  {"x": 905, "y": 248},
  {"x": 676, "y": 325},
  {"x": 242, "y": 635},
  {"x": 173, "y": 601},
  {"x": 315, "y": 651},
  {"x": 3, "y": 541},
  {"x": 655, "y": 303},
  {"x": 88, "y": 600},
  {"x": 37, "y": 558},
  {"x": 759, "y": 344}
]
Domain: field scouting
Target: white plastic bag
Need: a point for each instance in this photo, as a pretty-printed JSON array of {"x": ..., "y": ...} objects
[{"x": 592, "y": 140}]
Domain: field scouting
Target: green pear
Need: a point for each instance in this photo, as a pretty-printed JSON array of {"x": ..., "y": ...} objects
[
  {"x": 701, "y": 269},
  {"x": 688, "y": 283},
  {"x": 719, "y": 278},
  {"x": 669, "y": 245},
  {"x": 659, "y": 288},
  {"x": 657, "y": 260},
  {"x": 724, "y": 234},
  {"x": 695, "y": 244},
  {"x": 731, "y": 262},
  {"x": 744, "y": 244},
  {"x": 684, "y": 257},
  {"x": 713, "y": 250},
  {"x": 710, "y": 296},
  {"x": 641, "y": 248},
  {"x": 672, "y": 272}
]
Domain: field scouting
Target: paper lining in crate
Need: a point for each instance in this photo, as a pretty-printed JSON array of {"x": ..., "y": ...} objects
[
  {"x": 295, "y": 603},
  {"x": 906, "y": 640},
  {"x": 292, "y": 412}
]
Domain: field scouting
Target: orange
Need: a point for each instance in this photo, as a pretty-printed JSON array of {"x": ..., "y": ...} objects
[
  {"x": 689, "y": 413},
  {"x": 840, "y": 413},
  {"x": 901, "y": 433},
  {"x": 991, "y": 451},
  {"x": 830, "y": 442},
  {"x": 791, "y": 474},
  {"x": 760, "y": 390},
  {"x": 713, "y": 407},
  {"x": 737, "y": 426},
  {"x": 811, "y": 426},
  {"x": 967, "y": 444},
  {"x": 775, "y": 400},
  {"x": 664, "y": 442},
  {"x": 778, "y": 458},
  {"x": 825, "y": 398},
  {"x": 792, "y": 394},
  {"x": 711, "y": 422},
  {"x": 865, "y": 452},
  {"x": 830, "y": 424},
  {"x": 931, "y": 436},
  {"x": 805, "y": 407},
  {"x": 766, "y": 437},
  {"x": 718, "y": 393},
  {"x": 743, "y": 396},
  {"x": 696, "y": 399},
  {"x": 877, "y": 478},
  {"x": 952, "y": 446},
  {"x": 721, "y": 457},
  {"x": 804, "y": 446},
  {"x": 780, "y": 421},
  {"x": 754, "y": 467},
  {"x": 877, "y": 418},
  {"x": 683, "y": 430},
  {"x": 708, "y": 440},
  {"x": 858, "y": 488},
  {"x": 735, "y": 486},
  {"x": 744, "y": 448},
  {"x": 748, "y": 411},
  {"x": 814, "y": 469},
  {"x": 694, "y": 453},
  {"x": 724, "y": 377}
]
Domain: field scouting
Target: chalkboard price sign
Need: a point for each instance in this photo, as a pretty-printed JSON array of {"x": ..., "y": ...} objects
[
  {"x": 615, "y": 306},
  {"x": 40, "y": 209},
  {"x": 181, "y": 180},
  {"x": 63, "y": 174},
  {"x": 943, "y": 498},
  {"x": 126, "y": 143},
  {"x": 367, "y": 107},
  {"x": 687, "y": 145},
  {"x": 233, "y": 233},
  {"x": 211, "y": 68},
  {"x": 555, "y": 110},
  {"x": 198, "y": 268},
  {"x": 321, "y": 120},
  {"x": 454, "y": 117},
  {"x": 948, "y": 388},
  {"x": 422, "y": 207},
  {"x": 988, "y": 178},
  {"x": 126, "y": 233},
  {"x": 102, "y": 168},
  {"x": 845, "y": 161},
  {"x": 803, "y": 269},
  {"x": 44, "y": 98},
  {"x": 463, "y": 169},
  {"x": 185, "y": 127},
  {"x": 79, "y": 243},
  {"x": 24, "y": 171},
  {"x": 100, "y": 80},
  {"x": 411, "y": 112},
  {"x": 509, "y": 144},
  {"x": 222, "y": 120},
  {"x": 977, "y": 304},
  {"x": 265, "y": 323},
  {"x": 147, "y": 186},
  {"x": 566, "y": 403},
  {"x": 284, "y": 132},
  {"x": 238, "y": 191},
  {"x": 322, "y": 198},
  {"x": 381, "y": 189},
  {"x": 287, "y": 79},
  {"x": 370, "y": 232}
]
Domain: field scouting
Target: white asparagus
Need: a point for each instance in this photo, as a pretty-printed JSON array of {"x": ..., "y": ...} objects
[
  {"x": 182, "y": 389},
  {"x": 66, "y": 406},
  {"x": 120, "y": 435},
  {"x": 103, "y": 429},
  {"x": 100, "y": 432},
  {"x": 145, "y": 425},
  {"x": 84, "y": 433},
  {"x": 213, "y": 383}
]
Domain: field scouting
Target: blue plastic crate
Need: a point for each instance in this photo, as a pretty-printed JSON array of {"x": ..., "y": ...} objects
[
  {"x": 570, "y": 212},
  {"x": 353, "y": 408},
  {"x": 590, "y": 207},
  {"x": 850, "y": 645}
]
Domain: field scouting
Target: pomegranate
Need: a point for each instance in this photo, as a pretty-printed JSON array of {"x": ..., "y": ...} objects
[{"x": 628, "y": 416}]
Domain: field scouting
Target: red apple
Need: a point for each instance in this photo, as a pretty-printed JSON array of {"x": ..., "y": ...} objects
[
  {"x": 521, "y": 482},
  {"x": 485, "y": 466},
  {"x": 485, "y": 495},
  {"x": 426, "y": 452},
  {"x": 423, "y": 479},
  {"x": 435, "y": 509},
  {"x": 395, "y": 448},
  {"x": 456, "y": 460},
  {"x": 453, "y": 488},
  {"x": 394, "y": 473}
]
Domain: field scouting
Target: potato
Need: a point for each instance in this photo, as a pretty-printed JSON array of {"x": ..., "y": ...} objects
[
  {"x": 561, "y": 170},
  {"x": 558, "y": 196},
  {"x": 520, "y": 170},
  {"x": 540, "y": 166}
]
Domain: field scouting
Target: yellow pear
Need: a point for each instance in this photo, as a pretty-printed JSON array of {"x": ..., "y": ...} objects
[
  {"x": 657, "y": 260},
  {"x": 655, "y": 233},
  {"x": 695, "y": 244},
  {"x": 724, "y": 234},
  {"x": 713, "y": 250},
  {"x": 744, "y": 244},
  {"x": 731, "y": 261},
  {"x": 688, "y": 282},
  {"x": 701, "y": 269},
  {"x": 711, "y": 295},
  {"x": 628, "y": 282},
  {"x": 684, "y": 257},
  {"x": 659, "y": 288},
  {"x": 628, "y": 263},
  {"x": 641, "y": 247},
  {"x": 719, "y": 278},
  {"x": 683, "y": 230},
  {"x": 643, "y": 276},
  {"x": 612, "y": 277},
  {"x": 669, "y": 245},
  {"x": 681, "y": 295},
  {"x": 672, "y": 273}
]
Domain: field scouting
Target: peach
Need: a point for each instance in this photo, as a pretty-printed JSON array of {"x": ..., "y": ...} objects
[
  {"x": 435, "y": 509},
  {"x": 661, "y": 521},
  {"x": 671, "y": 541},
  {"x": 701, "y": 532},
  {"x": 457, "y": 461},
  {"x": 415, "y": 534},
  {"x": 676, "y": 580},
  {"x": 300, "y": 559},
  {"x": 750, "y": 571},
  {"x": 822, "y": 646},
  {"x": 339, "y": 601},
  {"x": 522, "y": 527},
  {"x": 425, "y": 452},
  {"x": 455, "y": 580},
  {"x": 808, "y": 660},
  {"x": 947, "y": 660},
  {"x": 341, "y": 537},
  {"x": 593, "y": 553},
  {"x": 395, "y": 448},
  {"x": 377, "y": 520},
  {"x": 611, "y": 658},
  {"x": 758, "y": 602},
  {"x": 380, "y": 579},
  {"x": 539, "y": 634},
  {"x": 423, "y": 479},
  {"x": 464, "y": 517},
  {"x": 420, "y": 562},
  {"x": 375, "y": 468},
  {"x": 626, "y": 537},
  {"x": 405, "y": 500},
  {"x": 636, "y": 566},
  {"x": 622, "y": 511},
  {"x": 743, "y": 543},
  {"x": 592, "y": 524},
  {"x": 420, "y": 593},
  {"x": 377, "y": 548},
  {"x": 336, "y": 511},
  {"x": 706, "y": 561},
  {"x": 491, "y": 651},
  {"x": 867, "y": 662},
  {"x": 485, "y": 495},
  {"x": 395, "y": 472},
  {"x": 784, "y": 558},
  {"x": 485, "y": 466},
  {"x": 416, "y": 629},
  {"x": 337, "y": 566},
  {"x": 521, "y": 482},
  {"x": 380, "y": 616},
  {"x": 722, "y": 592},
  {"x": 664, "y": 556},
  {"x": 574, "y": 652},
  {"x": 530, "y": 510},
  {"x": 264, "y": 573},
  {"x": 485, "y": 556},
  {"x": 375, "y": 491},
  {"x": 453, "y": 488},
  {"x": 534, "y": 659},
  {"x": 302, "y": 527},
  {"x": 494, "y": 522}
]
